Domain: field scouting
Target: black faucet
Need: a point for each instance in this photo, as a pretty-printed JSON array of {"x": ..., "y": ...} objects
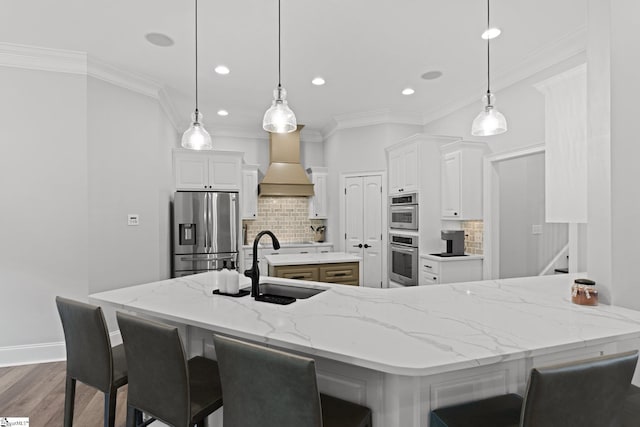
[{"x": 254, "y": 271}]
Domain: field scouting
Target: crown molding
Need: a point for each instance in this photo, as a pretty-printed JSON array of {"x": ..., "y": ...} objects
[
  {"x": 543, "y": 85},
  {"x": 125, "y": 79},
  {"x": 42, "y": 58},
  {"x": 370, "y": 118},
  {"x": 573, "y": 44}
]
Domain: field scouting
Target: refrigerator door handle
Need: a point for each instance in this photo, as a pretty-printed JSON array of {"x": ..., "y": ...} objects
[
  {"x": 206, "y": 220},
  {"x": 234, "y": 218},
  {"x": 207, "y": 259}
]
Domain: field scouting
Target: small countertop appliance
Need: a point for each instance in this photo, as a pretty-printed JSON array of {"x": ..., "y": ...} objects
[{"x": 455, "y": 243}]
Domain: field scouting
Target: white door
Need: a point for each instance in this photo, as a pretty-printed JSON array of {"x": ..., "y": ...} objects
[{"x": 363, "y": 225}]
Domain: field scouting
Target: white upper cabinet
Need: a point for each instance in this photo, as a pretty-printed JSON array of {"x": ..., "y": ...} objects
[
  {"x": 249, "y": 195},
  {"x": 318, "y": 203},
  {"x": 461, "y": 180},
  {"x": 403, "y": 168},
  {"x": 210, "y": 170}
]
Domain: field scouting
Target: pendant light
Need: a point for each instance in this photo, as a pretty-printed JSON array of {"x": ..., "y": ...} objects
[
  {"x": 490, "y": 121},
  {"x": 279, "y": 118},
  {"x": 196, "y": 137}
]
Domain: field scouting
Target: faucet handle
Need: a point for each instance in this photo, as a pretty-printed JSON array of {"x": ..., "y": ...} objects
[{"x": 249, "y": 272}]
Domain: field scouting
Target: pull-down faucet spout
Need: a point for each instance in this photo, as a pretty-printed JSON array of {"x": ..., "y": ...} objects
[{"x": 254, "y": 271}]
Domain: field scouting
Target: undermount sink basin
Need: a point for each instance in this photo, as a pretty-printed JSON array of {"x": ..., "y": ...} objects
[{"x": 297, "y": 292}]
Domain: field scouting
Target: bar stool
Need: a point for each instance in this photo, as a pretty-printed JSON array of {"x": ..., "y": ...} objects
[
  {"x": 587, "y": 393},
  {"x": 631, "y": 408},
  {"x": 271, "y": 388},
  {"x": 90, "y": 357},
  {"x": 162, "y": 382}
]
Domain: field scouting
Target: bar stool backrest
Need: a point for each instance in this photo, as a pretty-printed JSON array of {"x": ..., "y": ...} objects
[
  {"x": 586, "y": 393},
  {"x": 158, "y": 373},
  {"x": 266, "y": 387},
  {"x": 89, "y": 357}
]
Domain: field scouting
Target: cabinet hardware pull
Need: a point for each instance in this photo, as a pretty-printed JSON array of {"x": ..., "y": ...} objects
[
  {"x": 304, "y": 252},
  {"x": 428, "y": 266},
  {"x": 366, "y": 246},
  {"x": 339, "y": 274},
  {"x": 296, "y": 277}
]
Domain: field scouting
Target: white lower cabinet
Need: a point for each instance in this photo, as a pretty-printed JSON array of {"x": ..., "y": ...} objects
[{"x": 449, "y": 270}]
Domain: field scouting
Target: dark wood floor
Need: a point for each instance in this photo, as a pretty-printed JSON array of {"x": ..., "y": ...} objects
[{"x": 37, "y": 392}]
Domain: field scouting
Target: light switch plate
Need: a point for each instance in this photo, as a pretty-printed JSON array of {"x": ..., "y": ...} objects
[
  {"x": 133, "y": 219},
  {"x": 536, "y": 229}
]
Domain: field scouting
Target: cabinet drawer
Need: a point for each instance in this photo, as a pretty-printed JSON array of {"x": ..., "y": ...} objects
[
  {"x": 429, "y": 279},
  {"x": 339, "y": 273},
  {"x": 429, "y": 266},
  {"x": 300, "y": 272}
]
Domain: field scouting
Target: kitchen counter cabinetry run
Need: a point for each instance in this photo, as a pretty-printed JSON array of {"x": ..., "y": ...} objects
[
  {"x": 341, "y": 273},
  {"x": 332, "y": 267}
]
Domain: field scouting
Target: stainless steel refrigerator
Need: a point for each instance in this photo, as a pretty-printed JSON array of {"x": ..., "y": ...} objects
[{"x": 205, "y": 231}]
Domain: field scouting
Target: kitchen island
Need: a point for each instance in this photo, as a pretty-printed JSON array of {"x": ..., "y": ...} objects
[
  {"x": 332, "y": 267},
  {"x": 401, "y": 351}
]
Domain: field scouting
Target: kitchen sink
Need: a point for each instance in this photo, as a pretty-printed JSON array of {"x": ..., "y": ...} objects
[{"x": 297, "y": 292}]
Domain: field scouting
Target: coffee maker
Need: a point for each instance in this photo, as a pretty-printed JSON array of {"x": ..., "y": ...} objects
[{"x": 455, "y": 242}]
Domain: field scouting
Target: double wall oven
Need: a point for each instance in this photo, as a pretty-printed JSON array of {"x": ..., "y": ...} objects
[{"x": 403, "y": 240}]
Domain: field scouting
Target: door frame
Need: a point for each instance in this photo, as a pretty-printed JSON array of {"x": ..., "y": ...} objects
[
  {"x": 491, "y": 207},
  {"x": 383, "y": 227}
]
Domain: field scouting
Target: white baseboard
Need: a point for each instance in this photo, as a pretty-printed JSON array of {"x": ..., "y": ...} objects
[{"x": 40, "y": 353}]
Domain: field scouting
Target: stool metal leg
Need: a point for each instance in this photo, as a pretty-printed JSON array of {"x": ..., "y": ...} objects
[
  {"x": 69, "y": 397},
  {"x": 110, "y": 407}
]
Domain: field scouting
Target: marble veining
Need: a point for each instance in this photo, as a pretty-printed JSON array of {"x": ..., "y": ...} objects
[{"x": 408, "y": 331}]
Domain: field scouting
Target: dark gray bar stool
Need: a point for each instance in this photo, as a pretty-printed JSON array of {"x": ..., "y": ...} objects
[
  {"x": 587, "y": 393},
  {"x": 631, "y": 408},
  {"x": 162, "y": 382},
  {"x": 270, "y": 388},
  {"x": 90, "y": 358}
]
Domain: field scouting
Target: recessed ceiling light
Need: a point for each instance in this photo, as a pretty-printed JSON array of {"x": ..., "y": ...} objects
[
  {"x": 223, "y": 113},
  {"x": 432, "y": 75},
  {"x": 222, "y": 69},
  {"x": 159, "y": 39},
  {"x": 408, "y": 91},
  {"x": 318, "y": 81},
  {"x": 491, "y": 33}
]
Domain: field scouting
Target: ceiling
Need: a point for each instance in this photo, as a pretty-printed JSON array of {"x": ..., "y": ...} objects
[{"x": 367, "y": 51}]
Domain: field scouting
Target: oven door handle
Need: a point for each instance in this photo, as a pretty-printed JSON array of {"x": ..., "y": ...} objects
[
  {"x": 403, "y": 208},
  {"x": 404, "y": 250}
]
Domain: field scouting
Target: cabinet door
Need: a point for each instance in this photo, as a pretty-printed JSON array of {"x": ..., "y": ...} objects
[
  {"x": 345, "y": 273},
  {"x": 249, "y": 193},
  {"x": 320, "y": 197},
  {"x": 396, "y": 175},
  {"x": 410, "y": 168},
  {"x": 224, "y": 172},
  {"x": 451, "y": 185},
  {"x": 191, "y": 171}
]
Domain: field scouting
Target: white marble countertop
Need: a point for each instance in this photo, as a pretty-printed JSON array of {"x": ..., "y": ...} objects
[
  {"x": 301, "y": 259},
  {"x": 414, "y": 331},
  {"x": 288, "y": 245},
  {"x": 466, "y": 257}
]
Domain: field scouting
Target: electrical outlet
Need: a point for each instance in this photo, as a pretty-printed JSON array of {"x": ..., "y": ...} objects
[
  {"x": 536, "y": 229},
  {"x": 133, "y": 219}
]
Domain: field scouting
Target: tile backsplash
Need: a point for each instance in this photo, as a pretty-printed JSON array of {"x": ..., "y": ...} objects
[
  {"x": 286, "y": 217},
  {"x": 473, "y": 232}
]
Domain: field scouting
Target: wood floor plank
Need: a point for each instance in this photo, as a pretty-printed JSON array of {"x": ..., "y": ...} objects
[{"x": 38, "y": 391}]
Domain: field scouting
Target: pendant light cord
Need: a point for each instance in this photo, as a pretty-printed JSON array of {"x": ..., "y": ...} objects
[
  {"x": 279, "y": 49},
  {"x": 196, "y": 26},
  {"x": 488, "y": 50}
]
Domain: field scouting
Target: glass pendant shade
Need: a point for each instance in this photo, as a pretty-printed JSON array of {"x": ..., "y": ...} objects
[
  {"x": 279, "y": 118},
  {"x": 196, "y": 137},
  {"x": 490, "y": 121}
]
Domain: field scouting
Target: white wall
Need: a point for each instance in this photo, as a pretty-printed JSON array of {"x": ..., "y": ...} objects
[
  {"x": 44, "y": 214},
  {"x": 625, "y": 152},
  {"x": 358, "y": 149}
]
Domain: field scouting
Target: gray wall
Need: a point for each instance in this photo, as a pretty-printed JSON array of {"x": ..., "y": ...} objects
[
  {"x": 44, "y": 215},
  {"x": 78, "y": 155}
]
